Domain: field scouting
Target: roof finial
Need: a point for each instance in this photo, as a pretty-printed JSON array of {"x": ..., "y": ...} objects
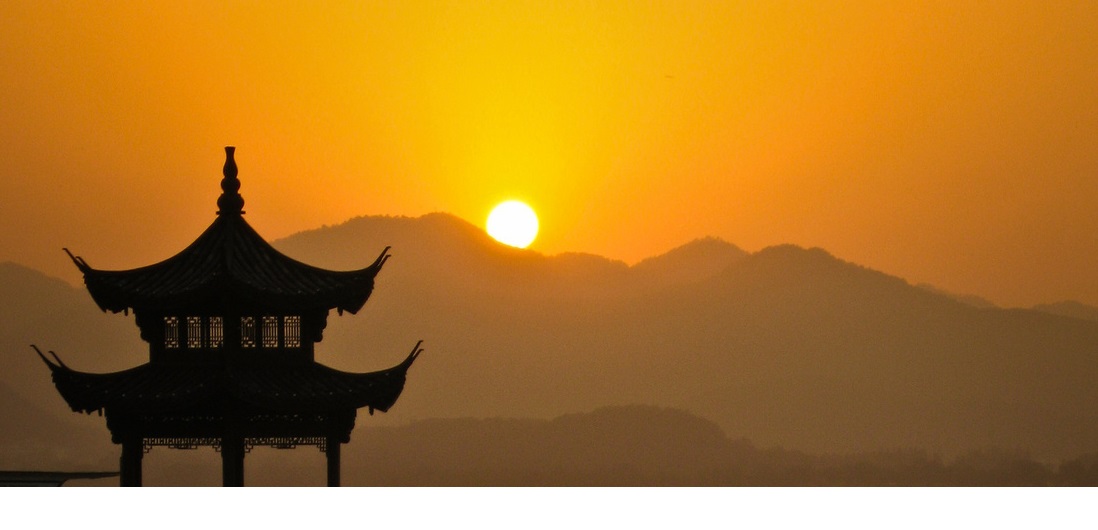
[{"x": 230, "y": 201}]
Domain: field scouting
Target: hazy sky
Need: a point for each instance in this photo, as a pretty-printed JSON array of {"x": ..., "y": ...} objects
[{"x": 946, "y": 142}]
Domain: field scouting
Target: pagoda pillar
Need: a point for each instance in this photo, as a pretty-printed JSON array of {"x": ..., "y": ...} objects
[
  {"x": 232, "y": 460},
  {"x": 332, "y": 452},
  {"x": 129, "y": 468},
  {"x": 232, "y": 443}
]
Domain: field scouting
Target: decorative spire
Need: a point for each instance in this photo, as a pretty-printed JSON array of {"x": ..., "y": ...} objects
[{"x": 230, "y": 201}]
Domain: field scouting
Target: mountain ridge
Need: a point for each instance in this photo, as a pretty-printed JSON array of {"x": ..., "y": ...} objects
[
  {"x": 842, "y": 331},
  {"x": 788, "y": 346}
]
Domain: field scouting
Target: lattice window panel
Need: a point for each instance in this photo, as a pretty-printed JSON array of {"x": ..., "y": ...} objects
[
  {"x": 270, "y": 332},
  {"x": 194, "y": 332},
  {"x": 216, "y": 333},
  {"x": 291, "y": 331},
  {"x": 171, "y": 333},
  {"x": 247, "y": 332}
]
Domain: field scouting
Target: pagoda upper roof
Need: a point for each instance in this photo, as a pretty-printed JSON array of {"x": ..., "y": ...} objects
[
  {"x": 154, "y": 388},
  {"x": 230, "y": 258}
]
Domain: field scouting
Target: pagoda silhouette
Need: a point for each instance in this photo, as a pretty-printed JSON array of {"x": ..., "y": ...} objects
[{"x": 231, "y": 325}]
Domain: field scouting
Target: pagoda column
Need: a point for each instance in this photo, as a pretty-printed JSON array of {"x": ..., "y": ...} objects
[
  {"x": 129, "y": 468},
  {"x": 232, "y": 441},
  {"x": 332, "y": 452},
  {"x": 232, "y": 460}
]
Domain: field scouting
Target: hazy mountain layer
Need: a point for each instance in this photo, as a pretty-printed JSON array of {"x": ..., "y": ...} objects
[{"x": 787, "y": 346}]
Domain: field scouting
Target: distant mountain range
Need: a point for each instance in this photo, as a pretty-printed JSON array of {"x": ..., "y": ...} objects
[{"x": 786, "y": 346}]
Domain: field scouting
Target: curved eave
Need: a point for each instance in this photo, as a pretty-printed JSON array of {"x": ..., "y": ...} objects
[
  {"x": 142, "y": 385},
  {"x": 161, "y": 388},
  {"x": 230, "y": 257},
  {"x": 323, "y": 388}
]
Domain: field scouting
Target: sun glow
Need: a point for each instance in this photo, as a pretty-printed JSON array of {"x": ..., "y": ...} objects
[{"x": 513, "y": 223}]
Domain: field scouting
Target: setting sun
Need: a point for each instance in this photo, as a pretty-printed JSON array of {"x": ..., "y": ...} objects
[{"x": 513, "y": 223}]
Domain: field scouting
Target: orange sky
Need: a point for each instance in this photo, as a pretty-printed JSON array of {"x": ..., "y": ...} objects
[{"x": 946, "y": 142}]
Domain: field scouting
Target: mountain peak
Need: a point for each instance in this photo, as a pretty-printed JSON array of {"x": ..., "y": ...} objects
[{"x": 695, "y": 261}]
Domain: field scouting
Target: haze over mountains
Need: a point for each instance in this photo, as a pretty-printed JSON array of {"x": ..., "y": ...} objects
[{"x": 786, "y": 346}]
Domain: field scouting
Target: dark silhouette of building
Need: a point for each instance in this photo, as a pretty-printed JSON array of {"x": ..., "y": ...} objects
[{"x": 231, "y": 324}]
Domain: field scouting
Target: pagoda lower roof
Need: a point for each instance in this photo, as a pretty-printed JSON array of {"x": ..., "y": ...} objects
[
  {"x": 157, "y": 388},
  {"x": 230, "y": 258}
]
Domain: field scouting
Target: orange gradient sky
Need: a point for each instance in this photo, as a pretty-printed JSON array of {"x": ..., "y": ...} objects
[{"x": 945, "y": 142}]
